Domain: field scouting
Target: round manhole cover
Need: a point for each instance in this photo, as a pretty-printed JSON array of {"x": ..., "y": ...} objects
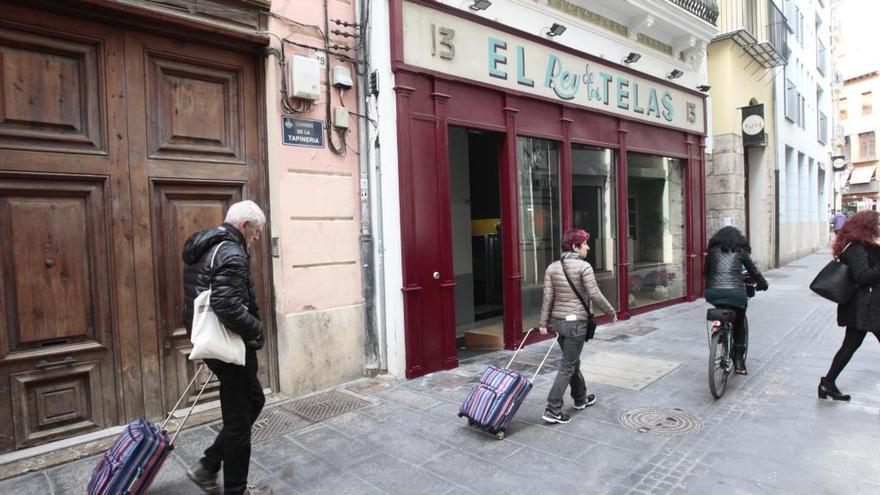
[{"x": 660, "y": 421}]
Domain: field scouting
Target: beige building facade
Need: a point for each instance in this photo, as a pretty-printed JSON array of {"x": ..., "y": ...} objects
[
  {"x": 740, "y": 184},
  {"x": 860, "y": 123}
]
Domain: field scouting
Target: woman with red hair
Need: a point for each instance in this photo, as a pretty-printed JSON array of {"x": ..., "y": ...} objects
[
  {"x": 563, "y": 311},
  {"x": 857, "y": 247}
]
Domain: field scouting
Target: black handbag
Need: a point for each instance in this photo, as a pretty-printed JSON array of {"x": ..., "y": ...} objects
[
  {"x": 591, "y": 318},
  {"x": 834, "y": 281}
]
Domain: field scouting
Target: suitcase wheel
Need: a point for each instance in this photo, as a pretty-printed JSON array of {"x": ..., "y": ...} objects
[{"x": 499, "y": 435}]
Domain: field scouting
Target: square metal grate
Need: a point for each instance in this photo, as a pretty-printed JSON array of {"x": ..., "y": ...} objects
[
  {"x": 326, "y": 405},
  {"x": 624, "y": 370},
  {"x": 272, "y": 423}
]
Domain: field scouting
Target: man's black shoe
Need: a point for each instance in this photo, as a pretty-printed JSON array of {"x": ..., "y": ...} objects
[{"x": 206, "y": 480}]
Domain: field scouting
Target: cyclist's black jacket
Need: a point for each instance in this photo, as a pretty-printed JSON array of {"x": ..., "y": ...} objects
[
  {"x": 862, "y": 311},
  {"x": 233, "y": 297},
  {"x": 724, "y": 270}
]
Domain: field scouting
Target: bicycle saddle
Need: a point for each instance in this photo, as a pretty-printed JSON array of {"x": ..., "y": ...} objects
[{"x": 720, "y": 314}]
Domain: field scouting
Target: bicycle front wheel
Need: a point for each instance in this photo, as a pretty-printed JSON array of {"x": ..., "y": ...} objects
[{"x": 718, "y": 352}]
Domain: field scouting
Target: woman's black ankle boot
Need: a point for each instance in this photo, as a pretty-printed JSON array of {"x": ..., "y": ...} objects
[
  {"x": 739, "y": 360},
  {"x": 829, "y": 389}
]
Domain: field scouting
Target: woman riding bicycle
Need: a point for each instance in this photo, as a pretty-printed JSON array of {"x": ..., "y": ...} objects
[{"x": 727, "y": 254}]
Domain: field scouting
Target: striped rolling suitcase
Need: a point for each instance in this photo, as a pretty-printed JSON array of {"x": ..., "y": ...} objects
[
  {"x": 138, "y": 453},
  {"x": 493, "y": 403}
]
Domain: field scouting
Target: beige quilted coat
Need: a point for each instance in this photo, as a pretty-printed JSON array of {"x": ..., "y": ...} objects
[{"x": 560, "y": 301}]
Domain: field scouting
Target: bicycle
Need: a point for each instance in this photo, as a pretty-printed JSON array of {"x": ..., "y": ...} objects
[{"x": 720, "y": 322}]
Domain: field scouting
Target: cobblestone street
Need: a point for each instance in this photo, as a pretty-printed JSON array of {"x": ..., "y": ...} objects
[{"x": 768, "y": 434}]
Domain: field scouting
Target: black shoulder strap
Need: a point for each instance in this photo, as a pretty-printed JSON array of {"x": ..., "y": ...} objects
[{"x": 574, "y": 289}]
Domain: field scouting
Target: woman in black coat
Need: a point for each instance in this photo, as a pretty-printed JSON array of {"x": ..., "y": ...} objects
[
  {"x": 727, "y": 254},
  {"x": 857, "y": 246}
]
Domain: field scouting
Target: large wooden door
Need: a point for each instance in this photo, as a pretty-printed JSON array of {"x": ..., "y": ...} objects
[
  {"x": 66, "y": 284},
  {"x": 194, "y": 150},
  {"x": 115, "y": 146}
]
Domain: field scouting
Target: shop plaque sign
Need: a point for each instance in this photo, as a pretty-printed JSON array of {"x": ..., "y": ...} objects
[
  {"x": 453, "y": 45},
  {"x": 753, "y": 125},
  {"x": 302, "y": 132}
]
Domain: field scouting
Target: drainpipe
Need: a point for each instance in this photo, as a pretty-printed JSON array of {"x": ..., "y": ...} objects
[
  {"x": 777, "y": 228},
  {"x": 379, "y": 234},
  {"x": 371, "y": 342}
]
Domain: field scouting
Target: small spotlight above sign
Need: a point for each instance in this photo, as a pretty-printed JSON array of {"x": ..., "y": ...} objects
[
  {"x": 556, "y": 30},
  {"x": 632, "y": 58},
  {"x": 704, "y": 88},
  {"x": 480, "y": 5},
  {"x": 675, "y": 74}
]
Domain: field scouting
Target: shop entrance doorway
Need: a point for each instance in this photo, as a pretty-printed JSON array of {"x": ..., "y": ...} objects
[{"x": 476, "y": 240}]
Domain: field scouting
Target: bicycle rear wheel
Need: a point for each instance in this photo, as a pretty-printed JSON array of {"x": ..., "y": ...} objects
[{"x": 719, "y": 350}]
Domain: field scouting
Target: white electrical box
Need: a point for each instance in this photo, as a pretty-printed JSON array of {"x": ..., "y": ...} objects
[
  {"x": 340, "y": 117},
  {"x": 305, "y": 78},
  {"x": 342, "y": 77}
]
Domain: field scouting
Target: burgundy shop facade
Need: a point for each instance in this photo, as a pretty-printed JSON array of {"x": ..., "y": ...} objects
[{"x": 577, "y": 141}]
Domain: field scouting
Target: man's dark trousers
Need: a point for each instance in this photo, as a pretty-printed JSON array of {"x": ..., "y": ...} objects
[{"x": 241, "y": 400}]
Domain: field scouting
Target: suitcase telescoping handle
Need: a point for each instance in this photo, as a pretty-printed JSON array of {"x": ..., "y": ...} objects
[
  {"x": 182, "y": 396},
  {"x": 545, "y": 355}
]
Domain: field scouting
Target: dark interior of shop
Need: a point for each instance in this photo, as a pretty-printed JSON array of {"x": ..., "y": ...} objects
[{"x": 476, "y": 225}]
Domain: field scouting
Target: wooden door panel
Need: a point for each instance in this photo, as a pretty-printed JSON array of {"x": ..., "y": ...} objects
[
  {"x": 195, "y": 152},
  {"x": 50, "y": 267},
  {"x": 58, "y": 403},
  {"x": 55, "y": 311},
  {"x": 181, "y": 209},
  {"x": 51, "y": 97},
  {"x": 55, "y": 270},
  {"x": 194, "y": 109}
]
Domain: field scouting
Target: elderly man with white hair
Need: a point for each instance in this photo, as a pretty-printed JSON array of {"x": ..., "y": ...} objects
[{"x": 234, "y": 301}]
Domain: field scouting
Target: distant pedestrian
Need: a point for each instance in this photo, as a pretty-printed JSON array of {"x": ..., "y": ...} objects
[
  {"x": 837, "y": 222},
  {"x": 562, "y": 311},
  {"x": 857, "y": 247},
  {"x": 727, "y": 254},
  {"x": 233, "y": 300}
]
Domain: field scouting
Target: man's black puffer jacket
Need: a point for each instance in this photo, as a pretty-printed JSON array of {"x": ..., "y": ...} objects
[{"x": 233, "y": 297}]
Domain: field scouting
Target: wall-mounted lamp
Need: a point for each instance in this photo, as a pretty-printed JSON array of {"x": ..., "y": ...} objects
[
  {"x": 675, "y": 74},
  {"x": 556, "y": 29},
  {"x": 480, "y": 5},
  {"x": 632, "y": 58},
  {"x": 704, "y": 88}
]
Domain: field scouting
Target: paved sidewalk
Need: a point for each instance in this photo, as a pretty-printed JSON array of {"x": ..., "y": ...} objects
[{"x": 768, "y": 434}]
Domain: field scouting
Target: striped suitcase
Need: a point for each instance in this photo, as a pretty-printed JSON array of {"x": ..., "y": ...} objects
[
  {"x": 493, "y": 403},
  {"x": 138, "y": 453}
]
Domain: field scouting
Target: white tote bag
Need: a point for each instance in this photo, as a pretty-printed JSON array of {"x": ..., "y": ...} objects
[{"x": 210, "y": 339}]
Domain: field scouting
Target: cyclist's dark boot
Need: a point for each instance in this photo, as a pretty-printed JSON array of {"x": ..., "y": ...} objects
[
  {"x": 829, "y": 389},
  {"x": 739, "y": 360}
]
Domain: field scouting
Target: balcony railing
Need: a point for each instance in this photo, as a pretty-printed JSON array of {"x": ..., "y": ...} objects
[
  {"x": 704, "y": 9},
  {"x": 761, "y": 32},
  {"x": 822, "y": 134},
  {"x": 821, "y": 56}
]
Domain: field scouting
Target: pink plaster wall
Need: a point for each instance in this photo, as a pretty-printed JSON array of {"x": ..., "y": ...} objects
[{"x": 314, "y": 192}]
